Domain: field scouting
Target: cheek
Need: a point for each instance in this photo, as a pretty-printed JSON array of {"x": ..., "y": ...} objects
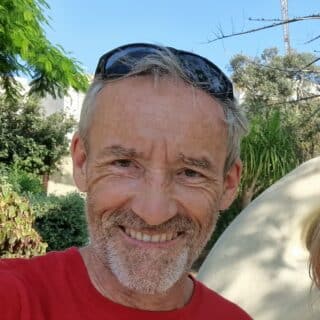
[
  {"x": 199, "y": 203},
  {"x": 202, "y": 206},
  {"x": 109, "y": 193}
]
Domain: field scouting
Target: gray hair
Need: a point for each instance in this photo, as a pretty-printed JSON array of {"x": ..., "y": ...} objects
[{"x": 165, "y": 63}]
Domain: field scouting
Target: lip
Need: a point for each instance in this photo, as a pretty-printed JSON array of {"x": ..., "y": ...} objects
[{"x": 144, "y": 244}]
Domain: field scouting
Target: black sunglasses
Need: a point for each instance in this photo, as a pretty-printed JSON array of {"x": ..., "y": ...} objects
[{"x": 199, "y": 70}]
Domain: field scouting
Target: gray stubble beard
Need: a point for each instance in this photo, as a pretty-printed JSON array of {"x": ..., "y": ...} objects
[
  {"x": 135, "y": 269},
  {"x": 160, "y": 277}
]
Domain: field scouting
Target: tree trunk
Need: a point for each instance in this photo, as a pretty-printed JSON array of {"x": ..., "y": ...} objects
[{"x": 45, "y": 181}]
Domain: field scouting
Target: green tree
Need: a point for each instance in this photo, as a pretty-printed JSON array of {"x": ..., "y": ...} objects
[
  {"x": 24, "y": 49},
  {"x": 281, "y": 95},
  {"x": 268, "y": 152},
  {"x": 288, "y": 84},
  {"x": 31, "y": 141}
]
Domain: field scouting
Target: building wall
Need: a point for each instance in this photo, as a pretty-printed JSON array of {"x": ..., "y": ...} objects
[{"x": 70, "y": 103}]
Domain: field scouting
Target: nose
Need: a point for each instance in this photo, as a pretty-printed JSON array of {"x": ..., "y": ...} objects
[{"x": 154, "y": 203}]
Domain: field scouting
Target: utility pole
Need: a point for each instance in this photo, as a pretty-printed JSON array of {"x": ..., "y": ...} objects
[{"x": 284, "y": 14}]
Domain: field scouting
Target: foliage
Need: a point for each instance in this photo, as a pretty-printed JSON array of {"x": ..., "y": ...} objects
[
  {"x": 288, "y": 84},
  {"x": 30, "y": 140},
  {"x": 24, "y": 49},
  {"x": 268, "y": 153},
  {"x": 281, "y": 94},
  {"x": 41, "y": 203},
  {"x": 17, "y": 236},
  {"x": 21, "y": 182},
  {"x": 64, "y": 223},
  {"x": 60, "y": 220}
]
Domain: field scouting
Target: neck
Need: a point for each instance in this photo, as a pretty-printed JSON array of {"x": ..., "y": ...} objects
[{"x": 108, "y": 285}]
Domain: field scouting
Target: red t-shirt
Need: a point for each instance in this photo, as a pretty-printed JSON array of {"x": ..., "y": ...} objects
[{"x": 57, "y": 286}]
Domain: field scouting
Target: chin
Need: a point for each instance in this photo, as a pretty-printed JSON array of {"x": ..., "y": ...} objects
[{"x": 146, "y": 272}]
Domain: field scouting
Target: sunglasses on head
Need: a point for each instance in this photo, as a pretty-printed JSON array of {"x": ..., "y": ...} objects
[{"x": 199, "y": 70}]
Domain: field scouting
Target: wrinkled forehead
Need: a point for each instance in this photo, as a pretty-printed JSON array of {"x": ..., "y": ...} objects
[
  {"x": 180, "y": 96},
  {"x": 108, "y": 100},
  {"x": 144, "y": 109}
]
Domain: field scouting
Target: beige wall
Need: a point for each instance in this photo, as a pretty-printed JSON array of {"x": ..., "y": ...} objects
[{"x": 62, "y": 182}]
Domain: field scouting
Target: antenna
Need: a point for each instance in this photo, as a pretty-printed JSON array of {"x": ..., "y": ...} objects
[{"x": 284, "y": 14}]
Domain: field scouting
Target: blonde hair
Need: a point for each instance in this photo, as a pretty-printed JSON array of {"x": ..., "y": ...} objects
[
  {"x": 312, "y": 240},
  {"x": 165, "y": 63}
]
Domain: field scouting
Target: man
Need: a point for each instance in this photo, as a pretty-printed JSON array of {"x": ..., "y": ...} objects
[{"x": 157, "y": 153}]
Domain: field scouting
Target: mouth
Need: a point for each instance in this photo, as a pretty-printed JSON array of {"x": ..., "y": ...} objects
[{"x": 148, "y": 237}]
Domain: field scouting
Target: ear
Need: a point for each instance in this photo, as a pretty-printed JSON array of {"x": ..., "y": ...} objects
[
  {"x": 230, "y": 185},
  {"x": 79, "y": 160}
]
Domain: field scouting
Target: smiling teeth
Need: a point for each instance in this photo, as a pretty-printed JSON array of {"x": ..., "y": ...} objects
[{"x": 150, "y": 238}]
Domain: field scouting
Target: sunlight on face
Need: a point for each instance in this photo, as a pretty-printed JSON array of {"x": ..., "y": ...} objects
[{"x": 154, "y": 179}]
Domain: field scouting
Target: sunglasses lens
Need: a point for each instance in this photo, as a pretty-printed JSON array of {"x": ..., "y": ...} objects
[
  {"x": 120, "y": 63},
  {"x": 207, "y": 75},
  {"x": 200, "y": 71}
]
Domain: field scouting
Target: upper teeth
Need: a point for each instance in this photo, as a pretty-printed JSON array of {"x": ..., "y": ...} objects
[{"x": 150, "y": 238}]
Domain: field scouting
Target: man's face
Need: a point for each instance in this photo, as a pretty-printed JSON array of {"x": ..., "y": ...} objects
[{"x": 154, "y": 177}]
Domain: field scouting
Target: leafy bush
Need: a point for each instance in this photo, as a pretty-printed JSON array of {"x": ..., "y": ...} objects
[
  {"x": 25, "y": 182},
  {"x": 42, "y": 204},
  {"x": 21, "y": 181},
  {"x": 61, "y": 221},
  {"x": 17, "y": 236}
]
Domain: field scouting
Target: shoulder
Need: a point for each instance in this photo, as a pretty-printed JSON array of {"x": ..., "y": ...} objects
[
  {"x": 30, "y": 287},
  {"x": 11, "y": 292},
  {"x": 35, "y": 271},
  {"x": 223, "y": 308},
  {"x": 22, "y": 265},
  {"x": 24, "y": 283}
]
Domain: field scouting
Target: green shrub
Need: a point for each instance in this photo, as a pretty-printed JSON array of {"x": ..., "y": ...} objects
[
  {"x": 25, "y": 182},
  {"x": 17, "y": 236},
  {"x": 42, "y": 204},
  {"x": 21, "y": 181},
  {"x": 63, "y": 223}
]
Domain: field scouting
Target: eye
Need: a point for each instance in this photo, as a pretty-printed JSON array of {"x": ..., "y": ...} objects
[
  {"x": 189, "y": 173},
  {"x": 122, "y": 163}
]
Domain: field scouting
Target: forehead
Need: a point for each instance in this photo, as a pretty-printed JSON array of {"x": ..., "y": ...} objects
[{"x": 144, "y": 111}]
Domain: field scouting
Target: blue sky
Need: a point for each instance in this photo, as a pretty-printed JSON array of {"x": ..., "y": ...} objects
[{"x": 87, "y": 29}]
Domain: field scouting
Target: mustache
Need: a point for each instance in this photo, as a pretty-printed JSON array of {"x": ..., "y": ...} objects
[{"x": 127, "y": 218}]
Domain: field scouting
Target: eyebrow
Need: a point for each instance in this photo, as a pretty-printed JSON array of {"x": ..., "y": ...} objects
[
  {"x": 202, "y": 163},
  {"x": 118, "y": 151}
]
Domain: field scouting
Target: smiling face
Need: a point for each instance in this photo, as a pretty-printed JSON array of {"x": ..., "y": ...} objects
[{"x": 154, "y": 177}]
